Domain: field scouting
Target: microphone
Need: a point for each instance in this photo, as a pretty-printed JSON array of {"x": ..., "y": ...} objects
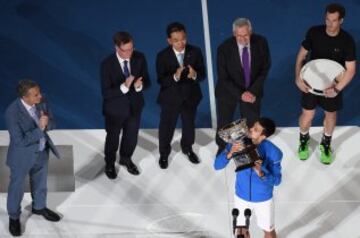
[
  {"x": 247, "y": 214},
  {"x": 235, "y": 214},
  {"x": 43, "y": 105}
]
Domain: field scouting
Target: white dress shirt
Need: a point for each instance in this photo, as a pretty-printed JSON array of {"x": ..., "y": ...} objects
[
  {"x": 241, "y": 47},
  {"x": 27, "y": 106},
  {"x": 123, "y": 88},
  {"x": 177, "y": 53}
]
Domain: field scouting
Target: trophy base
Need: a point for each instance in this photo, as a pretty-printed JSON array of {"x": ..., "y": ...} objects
[{"x": 244, "y": 166}]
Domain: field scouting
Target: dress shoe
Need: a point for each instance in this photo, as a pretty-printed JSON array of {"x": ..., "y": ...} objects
[
  {"x": 110, "y": 171},
  {"x": 192, "y": 157},
  {"x": 47, "y": 214},
  {"x": 131, "y": 167},
  {"x": 163, "y": 162},
  {"x": 14, "y": 227}
]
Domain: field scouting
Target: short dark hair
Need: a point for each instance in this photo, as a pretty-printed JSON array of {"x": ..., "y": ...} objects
[
  {"x": 121, "y": 38},
  {"x": 174, "y": 27},
  {"x": 336, "y": 7},
  {"x": 24, "y": 86},
  {"x": 268, "y": 125}
]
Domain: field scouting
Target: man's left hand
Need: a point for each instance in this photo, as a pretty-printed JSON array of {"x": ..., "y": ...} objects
[
  {"x": 138, "y": 83},
  {"x": 330, "y": 92},
  {"x": 248, "y": 97},
  {"x": 257, "y": 168},
  {"x": 192, "y": 73}
]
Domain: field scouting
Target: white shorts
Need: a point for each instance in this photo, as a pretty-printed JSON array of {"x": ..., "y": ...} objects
[{"x": 264, "y": 212}]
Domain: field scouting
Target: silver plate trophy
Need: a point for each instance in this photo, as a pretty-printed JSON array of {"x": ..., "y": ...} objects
[
  {"x": 236, "y": 132},
  {"x": 321, "y": 74}
]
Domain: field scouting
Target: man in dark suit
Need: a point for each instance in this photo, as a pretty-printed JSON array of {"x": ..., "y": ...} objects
[
  {"x": 28, "y": 119},
  {"x": 124, "y": 76},
  {"x": 243, "y": 62},
  {"x": 179, "y": 68}
]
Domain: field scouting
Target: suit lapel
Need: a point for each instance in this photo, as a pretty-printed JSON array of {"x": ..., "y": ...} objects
[
  {"x": 24, "y": 113},
  {"x": 117, "y": 67},
  {"x": 172, "y": 57},
  {"x": 236, "y": 56},
  {"x": 252, "y": 56},
  {"x": 187, "y": 55},
  {"x": 134, "y": 66}
]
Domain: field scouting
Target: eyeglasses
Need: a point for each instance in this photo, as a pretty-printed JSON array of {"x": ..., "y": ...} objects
[{"x": 127, "y": 50}]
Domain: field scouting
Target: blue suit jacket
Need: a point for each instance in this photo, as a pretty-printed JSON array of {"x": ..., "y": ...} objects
[{"x": 25, "y": 136}]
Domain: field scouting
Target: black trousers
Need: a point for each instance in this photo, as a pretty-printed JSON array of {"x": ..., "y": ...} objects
[
  {"x": 130, "y": 131},
  {"x": 226, "y": 110},
  {"x": 168, "y": 118}
]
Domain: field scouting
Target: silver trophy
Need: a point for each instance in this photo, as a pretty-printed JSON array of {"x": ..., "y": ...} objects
[{"x": 236, "y": 132}]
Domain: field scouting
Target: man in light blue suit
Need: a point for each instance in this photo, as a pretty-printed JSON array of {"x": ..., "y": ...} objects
[{"x": 28, "y": 119}]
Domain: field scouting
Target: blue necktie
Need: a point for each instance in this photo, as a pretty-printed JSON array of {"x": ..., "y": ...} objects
[
  {"x": 126, "y": 69},
  {"x": 246, "y": 66},
  {"x": 180, "y": 58},
  {"x": 36, "y": 119}
]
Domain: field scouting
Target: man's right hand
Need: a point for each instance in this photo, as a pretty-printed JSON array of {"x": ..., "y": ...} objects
[
  {"x": 235, "y": 148},
  {"x": 300, "y": 83},
  {"x": 129, "y": 81},
  {"x": 43, "y": 120},
  {"x": 178, "y": 72}
]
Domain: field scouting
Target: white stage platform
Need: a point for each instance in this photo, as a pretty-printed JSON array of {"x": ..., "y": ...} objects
[{"x": 186, "y": 200}]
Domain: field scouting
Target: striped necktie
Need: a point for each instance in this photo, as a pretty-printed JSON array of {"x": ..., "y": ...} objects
[
  {"x": 34, "y": 115},
  {"x": 126, "y": 69}
]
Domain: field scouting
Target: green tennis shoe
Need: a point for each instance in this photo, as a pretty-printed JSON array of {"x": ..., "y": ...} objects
[
  {"x": 326, "y": 154},
  {"x": 303, "y": 151}
]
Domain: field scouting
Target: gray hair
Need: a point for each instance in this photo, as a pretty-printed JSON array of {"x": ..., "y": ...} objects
[{"x": 240, "y": 22}]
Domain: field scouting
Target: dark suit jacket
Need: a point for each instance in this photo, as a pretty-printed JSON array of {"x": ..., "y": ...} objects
[
  {"x": 25, "y": 136},
  {"x": 175, "y": 93},
  {"x": 231, "y": 82},
  {"x": 116, "y": 103}
]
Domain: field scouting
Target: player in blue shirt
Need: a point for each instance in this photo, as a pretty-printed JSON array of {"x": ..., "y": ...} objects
[{"x": 254, "y": 186}]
